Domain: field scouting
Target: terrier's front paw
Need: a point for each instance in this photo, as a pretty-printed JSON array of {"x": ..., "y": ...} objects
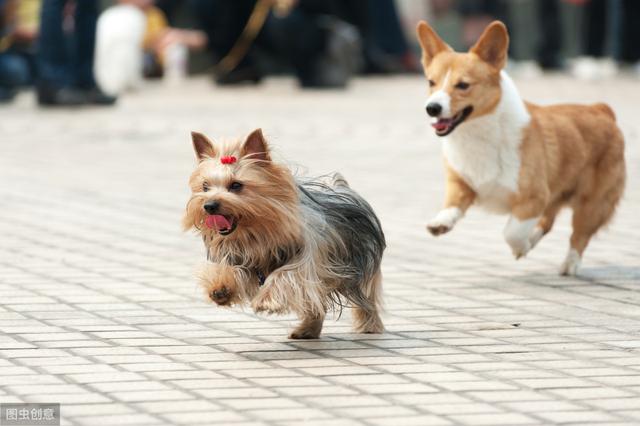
[
  {"x": 221, "y": 295},
  {"x": 444, "y": 221},
  {"x": 219, "y": 284},
  {"x": 264, "y": 302},
  {"x": 304, "y": 334}
]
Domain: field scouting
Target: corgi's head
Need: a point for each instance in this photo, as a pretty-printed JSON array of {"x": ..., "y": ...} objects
[{"x": 463, "y": 86}]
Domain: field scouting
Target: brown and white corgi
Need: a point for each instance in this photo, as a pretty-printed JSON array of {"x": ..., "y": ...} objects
[{"x": 513, "y": 157}]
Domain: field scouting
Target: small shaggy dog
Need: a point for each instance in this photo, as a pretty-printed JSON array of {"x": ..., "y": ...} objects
[{"x": 281, "y": 244}]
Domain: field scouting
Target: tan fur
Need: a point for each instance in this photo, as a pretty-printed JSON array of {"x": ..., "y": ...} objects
[
  {"x": 269, "y": 219},
  {"x": 570, "y": 155},
  {"x": 367, "y": 320}
]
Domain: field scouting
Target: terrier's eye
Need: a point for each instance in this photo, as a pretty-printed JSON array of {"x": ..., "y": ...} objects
[
  {"x": 235, "y": 186},
  {"x": 432, "y": 83},
  {"x": 205, "y": 187},
  {"x": 462, "y": 85}
]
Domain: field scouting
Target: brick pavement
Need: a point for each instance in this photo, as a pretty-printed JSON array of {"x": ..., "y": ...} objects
[{"x": 101, "y": 313}]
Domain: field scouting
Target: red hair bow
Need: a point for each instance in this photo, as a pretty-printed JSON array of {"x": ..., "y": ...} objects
[{"x": 228, "y": 159}]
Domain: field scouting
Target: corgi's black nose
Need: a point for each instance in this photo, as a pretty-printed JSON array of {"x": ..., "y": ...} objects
[
  {"x": 434, "y": 109},
  {"x": 211, "y": 207}
]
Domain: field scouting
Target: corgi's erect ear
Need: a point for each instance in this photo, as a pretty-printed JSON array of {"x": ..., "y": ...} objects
[
  {"x": 430, "y": 42},
  {"x": 202, "y": 146},
  {"x": 255, "y": 146},
  {"x": 493, "y": 45}
]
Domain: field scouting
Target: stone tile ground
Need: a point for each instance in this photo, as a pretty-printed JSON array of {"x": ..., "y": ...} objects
[{"x": 100, "y": 311}]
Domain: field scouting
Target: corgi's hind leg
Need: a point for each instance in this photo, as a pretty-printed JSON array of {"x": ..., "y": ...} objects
[
  {"x": 593, "y": 206},
  {"x": 588, "y": 217}
]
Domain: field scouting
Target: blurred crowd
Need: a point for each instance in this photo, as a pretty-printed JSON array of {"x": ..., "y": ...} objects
[
  {"x": 589, "y": 38},
  {"x": 79, "y": 52}
]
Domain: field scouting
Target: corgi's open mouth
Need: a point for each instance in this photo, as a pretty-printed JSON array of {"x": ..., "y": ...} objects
[
  {"x": 223, "y": 224},
  {"x": 444, "y": 126}
]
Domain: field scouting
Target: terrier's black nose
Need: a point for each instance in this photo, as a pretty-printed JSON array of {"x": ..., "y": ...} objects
[
  {"x": 434, "y": 109},
  {"x": 211, "y": 207}
]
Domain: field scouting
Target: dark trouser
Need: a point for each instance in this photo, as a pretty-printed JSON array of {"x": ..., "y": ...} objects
[
  {"x": 630, "y": 31},
  {"x": 294, "y": 38},
  {"x": 386, "y": 27},
  {"x": 551, "y": 33},
  {"x": 66, "y": 60},
  {"x": 223, "y": 21},
  {"x": 596, "y": 28},
  {"x": 14, "y": 72}
]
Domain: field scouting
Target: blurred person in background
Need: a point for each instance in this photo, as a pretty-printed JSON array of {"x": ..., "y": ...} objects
[
  {"x": 134, "y": 39},
  {"x": 18, "y": 31},
  {"x": 160, "y": 36},
  {"x": 597, "y": 31},
  {"x": 477, "y": 14},
  {"x": 385, "y": 47},
  {"x": 325, "y": 42},
  {"x": 322, "y": 50},
  {"x": 65, "y": 54}
]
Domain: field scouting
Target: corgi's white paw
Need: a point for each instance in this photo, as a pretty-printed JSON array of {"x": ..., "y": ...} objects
[
  {"x": 535, "y": 236},
  {"x": 570, "y": 265},
  {"x": 517, "y": 234},
  {"x": 444, "y": 221},
  {"x": 520, "y": 248}
]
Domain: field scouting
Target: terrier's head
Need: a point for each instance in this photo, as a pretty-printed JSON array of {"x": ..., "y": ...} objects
[
  {"x": 466, "y": 85},
  {"x": 241, "y": 201}
]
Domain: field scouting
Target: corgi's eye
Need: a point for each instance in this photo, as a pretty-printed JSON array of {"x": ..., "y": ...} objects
[
  {"x": 205, "y": 187},
  {"x": 462, "y": 85},
  {"x": 432, "y": 83},
  {"x": 235, "y": 186}
]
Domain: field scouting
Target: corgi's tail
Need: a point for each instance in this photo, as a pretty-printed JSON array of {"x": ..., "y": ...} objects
[{"x": 604, "y": 108}]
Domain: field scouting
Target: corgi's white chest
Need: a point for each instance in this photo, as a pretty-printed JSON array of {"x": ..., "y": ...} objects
[
  {"x": 491, "y": 172},
  {"x": 485, "y": 151}
]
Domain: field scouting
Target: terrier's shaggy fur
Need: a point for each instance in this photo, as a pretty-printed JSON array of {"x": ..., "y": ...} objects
[{"x": 282, "y": 244}]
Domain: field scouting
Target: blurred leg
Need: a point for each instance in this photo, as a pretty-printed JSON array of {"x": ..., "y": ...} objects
[
  {"x": 595, "y": 34},
  {"x": 223, "y": 21},
  {"x": 386, "y": 27},
  {"x": 550, "y": 27},
  {"x": 302, "y": 49},
  {"x": 14, "y": 72},
  {"x": 85, "y": 40},
  {"x": 52, "y": 54},
  {"x": 631, "y": 31}
]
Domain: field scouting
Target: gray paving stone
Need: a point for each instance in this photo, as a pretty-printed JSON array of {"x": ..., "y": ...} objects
[{"x": 101, "y": 311}]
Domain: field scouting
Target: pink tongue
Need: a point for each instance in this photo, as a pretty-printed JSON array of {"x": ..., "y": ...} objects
[
  {"x": 218, "y": 221},
  {"x": 441, "y": 124}
]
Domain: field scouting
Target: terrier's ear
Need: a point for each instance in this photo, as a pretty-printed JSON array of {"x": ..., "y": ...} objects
[
  {"x": 202, "y": 146},
  {"x": 493, "y": 45},
  {"x": 256, "y": 147},
  {"x": 430, "y": 42}
]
